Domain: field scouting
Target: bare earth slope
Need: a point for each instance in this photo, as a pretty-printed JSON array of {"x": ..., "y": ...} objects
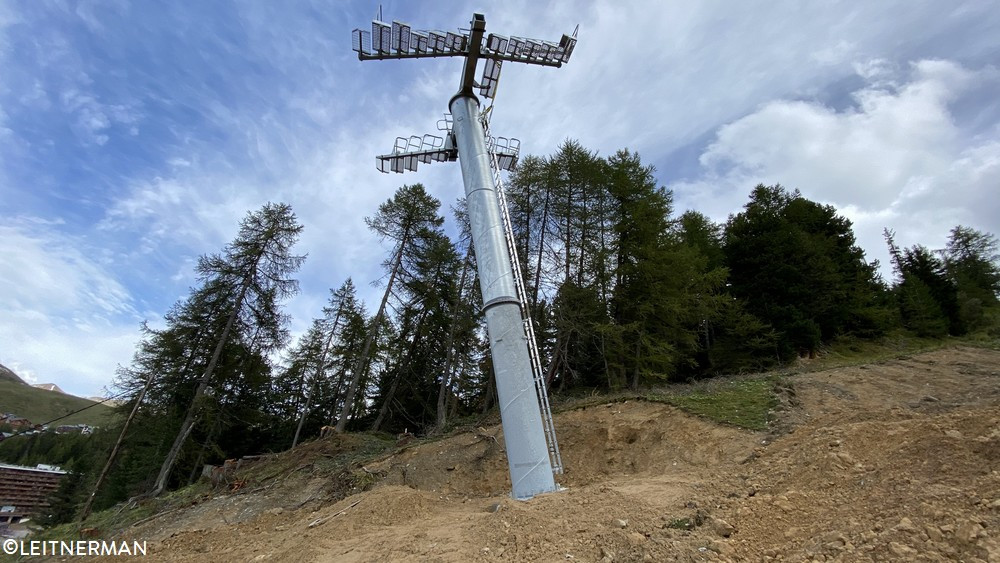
[{"x": 898, "y": 461}]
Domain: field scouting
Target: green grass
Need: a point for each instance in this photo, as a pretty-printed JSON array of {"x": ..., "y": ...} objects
[
  {"x": 848, "y": 351},
  {"x": 680, "y": 524},
  {"x": 745, "y": 402},
  {"x": 40, "y": 406}
]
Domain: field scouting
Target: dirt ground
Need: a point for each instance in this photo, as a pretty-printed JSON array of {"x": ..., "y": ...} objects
[{"x": 896, "y": 461}]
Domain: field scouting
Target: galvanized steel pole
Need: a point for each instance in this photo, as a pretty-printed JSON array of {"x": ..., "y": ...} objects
[{"x": 527, "y": 451}]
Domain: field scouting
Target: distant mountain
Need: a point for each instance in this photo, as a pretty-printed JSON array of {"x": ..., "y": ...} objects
[
  {"x": 7, "y": 375},
  {"x": 41, "y": 406},
  {"x": 102, "y": 400},
  {"x": 49, "y": 387}
]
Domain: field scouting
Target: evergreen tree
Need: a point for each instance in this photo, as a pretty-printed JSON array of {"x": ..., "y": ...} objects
[
  {"x": 411, "y": 386},
  {"x": 220, "y": 336},
  {"x": 796, "y": 266},
  {"x": 663, "y": 288},
  {"x": 972, "y": 260},
  {"x": 406, "y": 219},
  {"x": 928, "y": 298}
]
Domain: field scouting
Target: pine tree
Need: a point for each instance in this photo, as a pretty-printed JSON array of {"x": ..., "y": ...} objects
[
  {"x": 242, "y": 288},
  {"x": 927, "y": 297},
  {"x": 404, "y": 219},
  {"x": 796, "y": 266},
  {"x": 972, "y": 260}
]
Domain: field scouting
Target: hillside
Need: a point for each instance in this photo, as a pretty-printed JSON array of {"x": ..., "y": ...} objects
[
  {"x": 884, "y": 461},
  {"x": 40, "y": 406},
  {"x": 49, "y": 387},
  {"x": 6, "y": 374}
]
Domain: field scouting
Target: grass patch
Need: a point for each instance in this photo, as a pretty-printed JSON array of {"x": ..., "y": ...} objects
[
  {"x": 40, "y": 406},
  {"x": 744, "y": 402},
  {"x": 850, "y": 351},
  {"x": 680, "y": 524}
]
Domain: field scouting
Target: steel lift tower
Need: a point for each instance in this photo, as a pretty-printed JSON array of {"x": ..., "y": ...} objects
[{"x": 532, "y": 450}]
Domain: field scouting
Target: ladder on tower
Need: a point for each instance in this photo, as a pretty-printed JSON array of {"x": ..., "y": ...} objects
[{"x": 522, "y": 296}]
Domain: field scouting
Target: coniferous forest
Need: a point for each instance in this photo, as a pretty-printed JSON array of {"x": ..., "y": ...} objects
[{"x": 625, "y": 290}]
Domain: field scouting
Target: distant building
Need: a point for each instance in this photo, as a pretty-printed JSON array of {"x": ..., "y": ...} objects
[
  {"x": 15, "y": 421},
  {"x": 68, "y": 428},
  {"x": 24, "y": 491}
]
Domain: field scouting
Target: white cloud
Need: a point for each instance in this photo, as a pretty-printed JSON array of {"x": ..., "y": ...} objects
[
  {"x": 66, "y": 318},
  {"x": 93, "y": 119},
  {"x": 896, "y": 159},
  {"x": 217, "y": 140}
]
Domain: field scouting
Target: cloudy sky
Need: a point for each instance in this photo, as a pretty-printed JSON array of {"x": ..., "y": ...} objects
[{"x": 135, "y": 135}]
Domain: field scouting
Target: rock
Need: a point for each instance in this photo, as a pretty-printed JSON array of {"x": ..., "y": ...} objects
[
  {"x": 995, "y": 505},
  {"x": 493, "y": 507},
  {"x": 720, "y": 547},
  {"x": 276, "y": 511},
  {"x": 635, "y": 538},
  {"x": 607, "y": 555},
  {"x": 992, "y": 548},
  {"x": 619, "y": 523},
  {"x": 953, "y": 434},
  {"x": 783, "y": 505},
  {"x": 906, "y": 525},
  {"x": 834, "y": 540},
  {"x": 722, "y": 528},
  {"x": 968, "y": 531},
  {"x": 933, "y": 533},
  {"x": 844, "y": 458},
  {"x": 900, "y": 550}
]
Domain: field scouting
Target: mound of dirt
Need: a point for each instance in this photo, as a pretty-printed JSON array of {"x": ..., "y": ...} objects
[{"x": 893, "y": 461}]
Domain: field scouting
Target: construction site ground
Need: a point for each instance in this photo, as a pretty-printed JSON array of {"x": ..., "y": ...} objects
[{"x": 891, "y": 461}]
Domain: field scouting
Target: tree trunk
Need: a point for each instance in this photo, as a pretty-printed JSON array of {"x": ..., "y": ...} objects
[
  {"x": 361, "y": 365},
  {"x": 305, "y": 411},
  {"x": 403, "y": 368},
  {"x": 450, "y": 358},
  {"x": 114, "y": 451},
  {"x": 542, "y": 228},
  {"x": 319, "y": 370},
  {"x": 453, "y": 396},
  {"x": 635, "y": 368},
  {"x": 491, "y": 392},
  {"x": 190, "y": 418}
]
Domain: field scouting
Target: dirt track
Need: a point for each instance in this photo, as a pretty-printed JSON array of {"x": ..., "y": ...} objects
[{"x": 898, "y": 461}]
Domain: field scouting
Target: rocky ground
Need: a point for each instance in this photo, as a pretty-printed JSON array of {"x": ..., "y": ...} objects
[{"x": 896, "y": 461}]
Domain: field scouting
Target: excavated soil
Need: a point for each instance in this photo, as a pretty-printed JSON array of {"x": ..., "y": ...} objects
[{"x": 896, "y": 461}]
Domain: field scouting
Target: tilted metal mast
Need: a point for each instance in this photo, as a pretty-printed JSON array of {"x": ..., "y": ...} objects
[{"x": 532, "y": 450}]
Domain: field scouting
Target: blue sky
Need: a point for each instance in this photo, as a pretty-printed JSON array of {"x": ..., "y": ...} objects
[{"x": 135, "y": 135}]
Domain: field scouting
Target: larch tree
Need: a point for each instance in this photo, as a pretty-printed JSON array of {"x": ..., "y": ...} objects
[
  {"x": 404, "y": 219},
  {"x": 244, "y": 285}
]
